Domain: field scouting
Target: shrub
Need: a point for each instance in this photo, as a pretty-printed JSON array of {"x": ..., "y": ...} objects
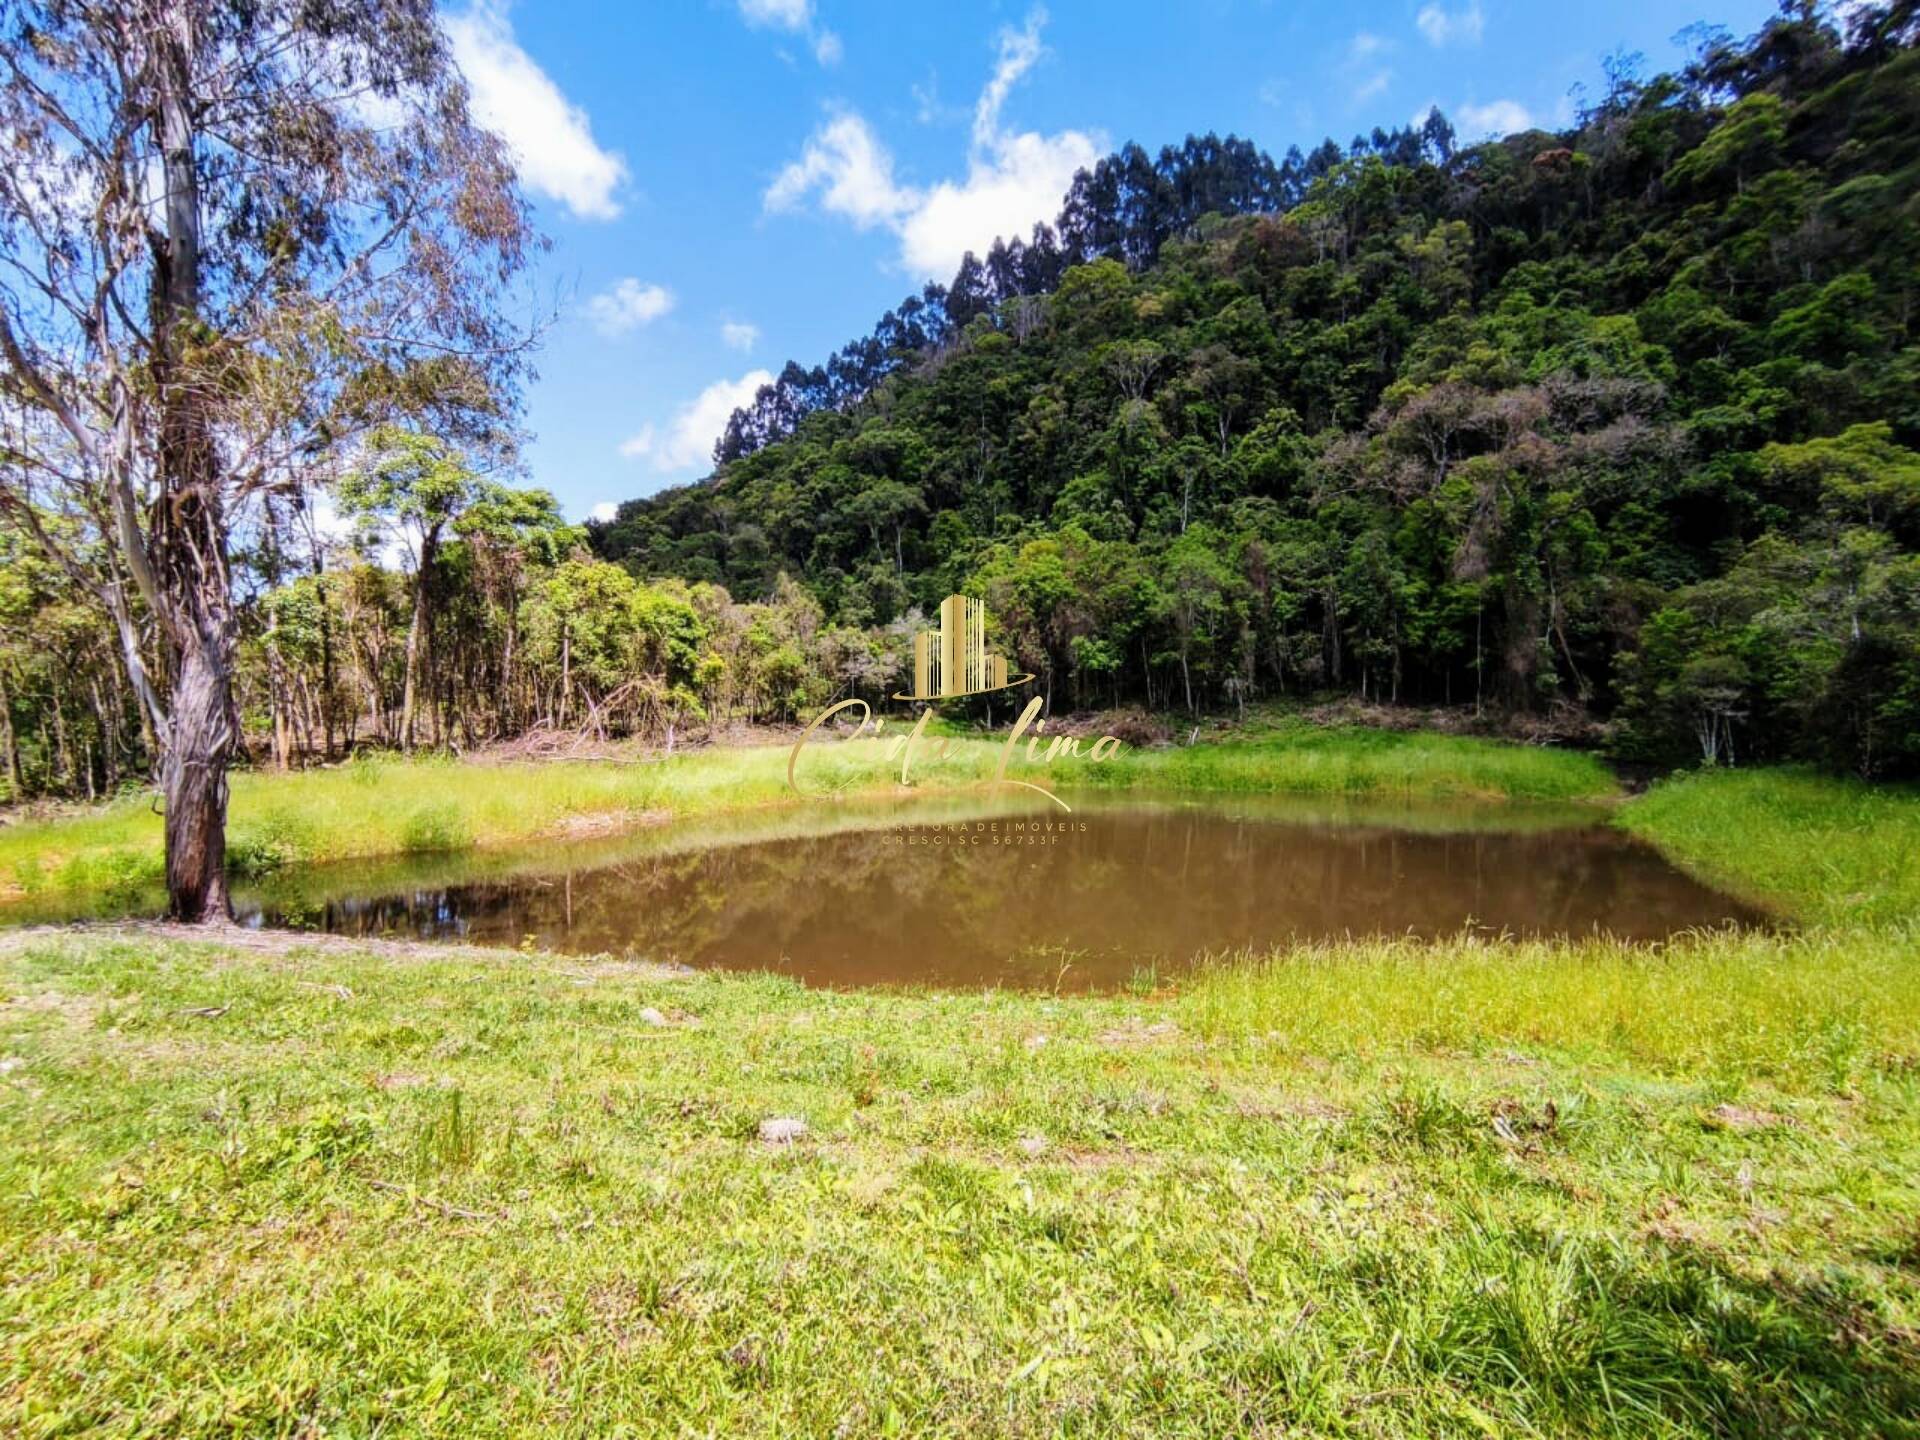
[{"x": 435, "y": 827}]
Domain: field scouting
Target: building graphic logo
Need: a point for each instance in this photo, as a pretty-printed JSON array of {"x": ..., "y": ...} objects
[{"x": 951, "y": 661}]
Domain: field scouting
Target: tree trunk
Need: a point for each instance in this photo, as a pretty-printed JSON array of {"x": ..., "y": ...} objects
[
  {"x": 279, "y": 697},
  {"x": 190, "y": 584},
  {"x": 8, "y": 742},
  {"x": 193, "y": 778},
  {"x": 419, "y": 639},
  {"x": 62, "y": 755}
]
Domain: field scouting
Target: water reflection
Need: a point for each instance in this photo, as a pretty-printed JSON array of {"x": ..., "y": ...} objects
[{"x": 951, "y": 895}]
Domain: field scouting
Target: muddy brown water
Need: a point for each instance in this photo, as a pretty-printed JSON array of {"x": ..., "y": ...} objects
[{"x": 950, "y": 894}]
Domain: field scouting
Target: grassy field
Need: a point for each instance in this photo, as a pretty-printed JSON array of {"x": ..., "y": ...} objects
[
  {"x": 1379, "y": 1190},
  {"x": 375, "y": 806},
  {"x": 1304, "y": 759},
  {"x": 1373, "y": 1189},
  {"x": 1827, "y": 850}
]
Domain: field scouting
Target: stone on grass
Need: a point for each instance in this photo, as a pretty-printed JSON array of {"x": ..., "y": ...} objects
[
  {"x": 782, "y": 1130},
  {"x": 651, "y": 1016}
]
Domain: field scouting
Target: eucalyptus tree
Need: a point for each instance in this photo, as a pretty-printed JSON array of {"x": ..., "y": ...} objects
[
  {"x": 415, "y": 488},
  {"x": 233, "y": 233}
]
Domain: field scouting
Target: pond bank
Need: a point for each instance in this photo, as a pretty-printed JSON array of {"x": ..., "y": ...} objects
[{"x": 376, "y": 806}]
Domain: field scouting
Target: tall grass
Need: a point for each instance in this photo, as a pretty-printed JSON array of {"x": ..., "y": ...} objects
[
  {"x": 1819, "y": 1009},
  {"x": 1828, "y": 850},
  {"x": 375, "y": 806},
  {"x": 1303, "y": 759},
  {"x": 380, "y": 806}
]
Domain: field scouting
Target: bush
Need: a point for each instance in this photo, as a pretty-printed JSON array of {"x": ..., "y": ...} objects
[
  {"x": 276, "y": 840},
  {"x": 435, "y": 827}
]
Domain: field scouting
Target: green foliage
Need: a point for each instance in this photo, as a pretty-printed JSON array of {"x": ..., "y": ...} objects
[
  {"x": 434, "y": 827},
  {"x": 1619, "y": 419}
]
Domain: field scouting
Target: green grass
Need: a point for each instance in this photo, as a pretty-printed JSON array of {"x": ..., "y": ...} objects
[
  {"x": 1303, "y": 759},
  {"x": 1826, "y": 850},
  {"x": 1470, "y": 1188},
  {"x": 1384, "y": 1190},
  {"x": 376, "y": 807}
]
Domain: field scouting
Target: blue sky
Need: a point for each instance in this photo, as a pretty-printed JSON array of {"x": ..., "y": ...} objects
[{"x": 730, "y": 183}]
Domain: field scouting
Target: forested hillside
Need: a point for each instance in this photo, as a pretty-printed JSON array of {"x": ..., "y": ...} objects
[
  {"x": 1621, "y": 419},
  {"x": 1615, "y": 431}
]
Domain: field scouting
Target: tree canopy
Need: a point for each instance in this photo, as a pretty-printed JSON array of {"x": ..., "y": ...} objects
[{"x": 1619, "y": 420}]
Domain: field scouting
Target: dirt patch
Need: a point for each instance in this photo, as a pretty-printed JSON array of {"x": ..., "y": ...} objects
[
  {"x": 1135, "y": 1031},
  {"x": 605, "y": 822}
]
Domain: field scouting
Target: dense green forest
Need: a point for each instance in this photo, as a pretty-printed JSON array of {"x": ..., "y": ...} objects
[
  {"x": 1618, "y": 421},
  {"x": 1614, "y": 432}
]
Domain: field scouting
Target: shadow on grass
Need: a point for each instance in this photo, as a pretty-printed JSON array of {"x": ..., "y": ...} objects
[{"x": 1667, "y": 1338}]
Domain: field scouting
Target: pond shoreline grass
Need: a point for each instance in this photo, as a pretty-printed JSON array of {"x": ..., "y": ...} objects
[
  {"x": 380, "y": 806},
  {"x": 1825, "y": 849}
]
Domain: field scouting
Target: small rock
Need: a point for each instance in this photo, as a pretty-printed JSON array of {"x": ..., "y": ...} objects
[
  {"x": 1031, "y": 1145},
  {"x": 10, "y": 1064},
  {"x": 1034, "y": 1042},
  {"x": 782, "y": 1130},
  {"x": 651, "y": 1016},
  {"x": 1743, "y": 1117}
]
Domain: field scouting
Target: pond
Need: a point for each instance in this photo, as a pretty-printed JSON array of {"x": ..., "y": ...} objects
[{"x": 955, "y": 892}]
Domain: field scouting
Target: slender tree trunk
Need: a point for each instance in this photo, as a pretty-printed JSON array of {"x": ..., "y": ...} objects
[
  {"x": 504, "y": 711},
  {"x": 326, "y": 649},
  {"x": 8, "y": 741},
  {"x": 103, "y": 721},
  {"x": 279, "y": 698},
  {"x": 62, "y": 756},
  {"x": 418, "y": 639}
]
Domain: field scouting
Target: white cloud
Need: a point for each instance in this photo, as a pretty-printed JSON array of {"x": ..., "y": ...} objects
[
  {"x": 628, "y": 306},
  {"x": 688, "y": 442},
  {"x": 1019, "y": 52},
  {"x": 795, "y": 16},
  {"x": 1363, "y": 69},
  {"x": 853, "y": 172},
  {"x": 738, "y": 335},
  {"x": 1457, "y": 27},
  {"x": 1373, "y": 85},
  {"x": 604, "y": 512},
  {"x": 1022, "y": 181},
  {"x": 1496, "y": 117},
  {"x": 1013, "y": 178},
  {"x": 782, "y": 14},
  {"x": 550, "y": 137}
]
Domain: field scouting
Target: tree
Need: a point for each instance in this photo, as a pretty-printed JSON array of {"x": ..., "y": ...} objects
[
  {"x": 415, "y": 487},
  {"x": 233, "y": 235}
]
